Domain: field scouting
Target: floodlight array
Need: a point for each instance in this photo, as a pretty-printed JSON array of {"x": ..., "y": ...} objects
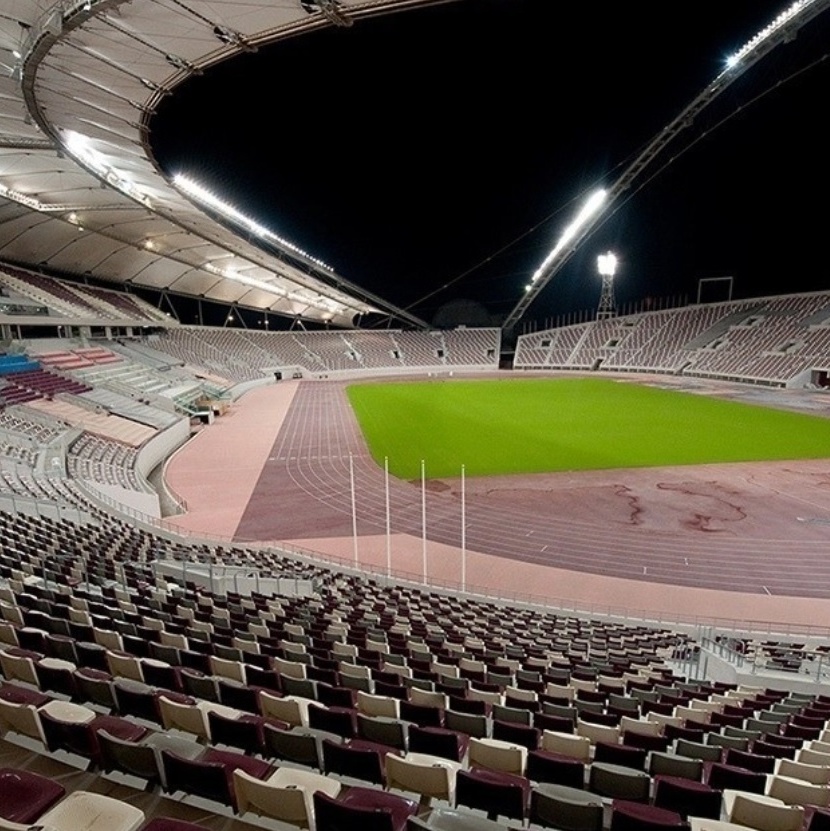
[
  {"x": 80, "y": 146},
  {"x": 591, "y": 207},
  {"x": 768, "y": 31},
  {"x": 210, "y": 200}
]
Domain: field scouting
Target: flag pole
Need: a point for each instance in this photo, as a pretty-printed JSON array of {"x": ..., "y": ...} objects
[
  {"x": 388, "y": 520},
  {"x": 424, "y": 517},
  {"x": 463, "y": 531},
  {"x": 354, "y": 508}
]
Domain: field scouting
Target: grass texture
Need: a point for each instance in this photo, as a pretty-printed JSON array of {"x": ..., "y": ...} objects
[{"x": 544, "y": 425}]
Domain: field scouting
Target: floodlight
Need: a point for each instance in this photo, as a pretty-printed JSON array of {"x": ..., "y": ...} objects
[{"x": 607, "y": 264}]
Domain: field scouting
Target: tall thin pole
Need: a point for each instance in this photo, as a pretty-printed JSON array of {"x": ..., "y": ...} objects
[
  {"x": 388, "y": 520},
  {"x": 354, "y": 507},
  {"x": 463, "y": 531},
  {"x": 424, "y": 516}
]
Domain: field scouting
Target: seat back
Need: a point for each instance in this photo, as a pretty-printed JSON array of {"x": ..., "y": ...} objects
[
  {"x": 388, "y": 731},
  {"x": 206, "y": 779},
  {"x": 467, "y": 723},
  {"x": 493, "y": 754},
  {"x": 798, "y": 792},
  {"x": 293, "y": 745},
  {"x": 564, "y": 807},
  {"x": 763, "y": 816},
  {"x": 429, "y": 780},
  {"x": 815, "y": 774},
  {"x": 129, "y": 757},
  {"x": 619, "y": 782},
  {"x": 576, "y": 747},
  {"x": 286, "y": 804},
  {"x": 436, "y": 741},
  {"x": 21, "y": 718},
  {"x": 290, "y": 710},
  {"x": 359, "y": 763},
  {"x": 670, "y": 764},
  {"x": 495, "y": 792},
  {"x": 186, "y": 717}
]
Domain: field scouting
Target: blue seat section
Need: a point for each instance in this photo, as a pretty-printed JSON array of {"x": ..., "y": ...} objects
[{"x": 10, "y": 364}]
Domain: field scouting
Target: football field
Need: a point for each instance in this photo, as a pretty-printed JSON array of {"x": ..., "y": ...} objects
[{"x": 495, "y": 427}]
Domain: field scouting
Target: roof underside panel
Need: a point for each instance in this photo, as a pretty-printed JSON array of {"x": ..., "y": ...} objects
[{"x": 79, "y": 189}]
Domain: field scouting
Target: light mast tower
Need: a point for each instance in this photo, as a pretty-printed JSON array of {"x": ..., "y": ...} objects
[{"x": 607, "y": 264}]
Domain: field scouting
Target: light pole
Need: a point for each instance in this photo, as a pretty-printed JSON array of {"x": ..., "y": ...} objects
[{"x": 607, "y": 265}]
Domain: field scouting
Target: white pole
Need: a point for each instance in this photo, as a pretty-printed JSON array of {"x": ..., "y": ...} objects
[
  {"x": 354, "y": 507},
  {"x": 463, "y": 531},
  {"x": 388, "y": 521},
  {"x": 424, "y": 516}
]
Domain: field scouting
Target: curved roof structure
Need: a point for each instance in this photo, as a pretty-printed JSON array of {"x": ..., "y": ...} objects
[{"x": 80, "y": 193}]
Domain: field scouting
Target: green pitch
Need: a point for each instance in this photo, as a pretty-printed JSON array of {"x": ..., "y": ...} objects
[{"x": 540, "y": 425}]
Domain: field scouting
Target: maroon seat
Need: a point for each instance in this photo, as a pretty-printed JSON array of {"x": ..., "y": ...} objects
[
  {"x": 635, "y": 816},
  {"x": 727, "y": 719},
  {"x": 519, "y": 734},
  {"x": 195, "y": 776},
  {"x": 438, "y": 741},
  {"x": 494, "y": 792},
  {"x": 553, "y": 768},
  {"x": 365, "y": 808},
  {"x": 233, "y": 761},
  {"x": 26, "y": 796},
  {"x": 691, "y": 734},
  {"x": 358, "y": 758},
  {"x": 751, "y": 761},
  {"x": 722, "y": 777},
  {"x": 645, "y": 741},
  {"x": 685, "y": 796},
  {"x": 15, "y": 694},
  {"x": 620, "y": 754},
  {"x": 423, "y": 715},
  {"x": 121, "y": 728},
  {"x": 774, "y": 748},
  {"x": 168, "y": 824}
]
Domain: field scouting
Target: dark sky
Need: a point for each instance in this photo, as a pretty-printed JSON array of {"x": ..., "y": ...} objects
[{"x": 447, "y": 146}]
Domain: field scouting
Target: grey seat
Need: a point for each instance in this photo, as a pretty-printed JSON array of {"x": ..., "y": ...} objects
[
  {"x": 618, "y": 782},
  {"x": 300, "y": 744},
  {"x": 391, "y": 732},
  {"x": 467, "y": 723},
  {"x": 569, "y": 809},
  {"x": 724, "y": 741},
  {"x": 670, "y": 764},
  {"x": 452, "y": 819},
  {"x": 698, "y": 750},
  {"x": 135, "y": 758}
]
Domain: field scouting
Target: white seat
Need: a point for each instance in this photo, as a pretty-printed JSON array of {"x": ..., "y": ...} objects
[
  {"x": 816, "y": 774},
  {"x": 497, "y": 755},
  {"x": 85, "y": 811},
  {"x": 431, "y": 777},
  {"x": 286, "y": 795},
  {"x": 764, "y": 813},
  {"x": 797, "y": 791},
  {"x": 377, "y": 705},
  {"x": 290, "y": 708},
  {"x": 567, "y": 744}
]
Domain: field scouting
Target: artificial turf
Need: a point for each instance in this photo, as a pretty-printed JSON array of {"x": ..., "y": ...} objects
[{"x": 543, "y": 425}]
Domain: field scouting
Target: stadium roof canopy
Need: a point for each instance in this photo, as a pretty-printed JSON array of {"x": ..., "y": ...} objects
[{"x": 80, "y": 193}]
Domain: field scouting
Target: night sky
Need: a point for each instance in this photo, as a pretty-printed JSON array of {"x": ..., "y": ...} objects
[{"x": 436, "y": 155}]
